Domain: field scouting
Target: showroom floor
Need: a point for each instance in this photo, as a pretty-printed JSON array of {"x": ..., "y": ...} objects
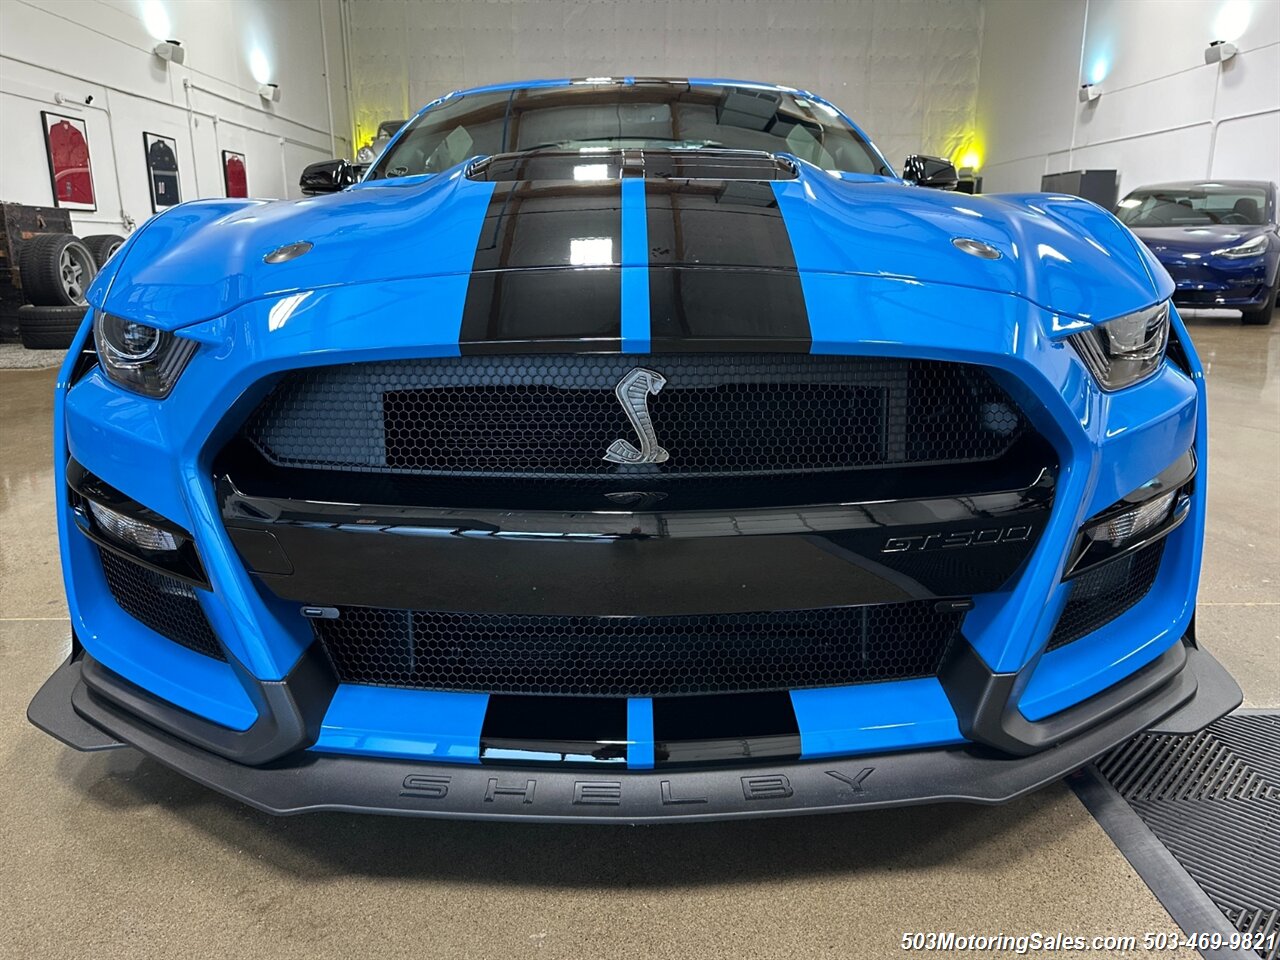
[{"x": 110, "y": 855}]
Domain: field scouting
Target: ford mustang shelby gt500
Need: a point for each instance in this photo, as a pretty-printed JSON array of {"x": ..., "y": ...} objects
[{"x": 628, "y": 451}]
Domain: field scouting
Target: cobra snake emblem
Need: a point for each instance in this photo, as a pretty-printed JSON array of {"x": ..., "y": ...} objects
[{"x": 633, "y": 392}]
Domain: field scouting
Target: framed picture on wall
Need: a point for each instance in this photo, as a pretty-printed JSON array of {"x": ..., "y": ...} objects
[
  {"x": 162, "y": 170},
  {"x": 234, "y": 177},
  {"x": 66, "y": 143}
]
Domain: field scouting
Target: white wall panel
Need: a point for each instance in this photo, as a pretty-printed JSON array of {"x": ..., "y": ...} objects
[
  {"x": 906, "y": 70},
  {"x": 1246, "y": 145},
  {"x": 1163, "y": 104},
  {"x": 71, "y": 50},
  {"x": 1154, "y": 158},
  {"x": 1163, "y": 114}
]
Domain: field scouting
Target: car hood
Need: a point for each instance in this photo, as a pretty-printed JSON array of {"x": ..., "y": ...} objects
[
  {"x": 204, "y": 258},
  {"x": 1201, "y": 238}
]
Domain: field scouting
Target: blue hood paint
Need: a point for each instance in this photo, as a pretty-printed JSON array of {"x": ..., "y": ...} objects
[{"x": 202, "y": 259}]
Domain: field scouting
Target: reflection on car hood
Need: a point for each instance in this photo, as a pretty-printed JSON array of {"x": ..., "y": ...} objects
[{"x": 204, "y": 258}]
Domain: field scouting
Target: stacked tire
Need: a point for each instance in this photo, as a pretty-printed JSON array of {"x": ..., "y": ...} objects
[{"x": 56, "y": 270}]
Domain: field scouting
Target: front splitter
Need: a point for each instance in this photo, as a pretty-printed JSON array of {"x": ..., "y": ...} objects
[{"x": 310, "y": 782}]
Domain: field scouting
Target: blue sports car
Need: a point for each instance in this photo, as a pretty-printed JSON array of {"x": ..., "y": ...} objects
[
  {"x": 630, "y": 450},
  {"x": 1219, "y": 241}
]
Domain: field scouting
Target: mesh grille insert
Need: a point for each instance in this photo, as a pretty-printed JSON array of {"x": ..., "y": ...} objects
[
  {"x": 165, "y": 604},
  {"x": 637, "y": 656},
  {"x": 553, "y": 417},
  {"x": 1102, "y": 594}
]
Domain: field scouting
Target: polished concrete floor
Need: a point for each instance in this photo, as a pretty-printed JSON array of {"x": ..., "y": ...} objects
[{"x": 111, "y": 855}]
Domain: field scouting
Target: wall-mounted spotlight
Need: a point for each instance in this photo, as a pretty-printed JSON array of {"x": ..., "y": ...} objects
[
  {"x": 170, "y": 50},
  {"x": 1219, "y": 51},
  {"x": 1089, "y": 92},
  {"x": 269, "y": 92}
]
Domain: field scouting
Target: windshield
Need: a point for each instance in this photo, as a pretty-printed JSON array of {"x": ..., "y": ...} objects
[
  {"x": 668, "y": 116},
  {"x": 1190, "y": 204}
]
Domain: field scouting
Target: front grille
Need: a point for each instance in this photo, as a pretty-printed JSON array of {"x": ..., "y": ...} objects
[
  {"x": 1105, "y": 592},
  {"x": 165, "y": 604},
  {"x": 637, "y": 656},
  {"x": 551, "y": 417}
]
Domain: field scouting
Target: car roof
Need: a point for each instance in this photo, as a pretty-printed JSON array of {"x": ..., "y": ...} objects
[
  {"x": 627, "y": 81},
  {"x": 1183, "y": 184}
]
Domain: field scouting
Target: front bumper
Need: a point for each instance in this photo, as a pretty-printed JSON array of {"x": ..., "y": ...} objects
[
  {"x": 265, "y": 720},
  {"x": 1182, "y": 691},
  {"x": 1220, "y": 283}
]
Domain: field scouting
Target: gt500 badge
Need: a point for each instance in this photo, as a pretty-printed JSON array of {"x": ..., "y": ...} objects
[{"x": 961, "y": 538}]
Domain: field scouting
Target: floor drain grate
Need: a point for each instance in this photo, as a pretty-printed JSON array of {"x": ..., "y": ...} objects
[
  {"x": 1260, "y": 923},
  {"x": 1213, "y": 800}
]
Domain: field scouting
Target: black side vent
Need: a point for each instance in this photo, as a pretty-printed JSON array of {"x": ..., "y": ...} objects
[
  {"x": 165, "y": 604},
  {"x": 1105, "y": 592}
]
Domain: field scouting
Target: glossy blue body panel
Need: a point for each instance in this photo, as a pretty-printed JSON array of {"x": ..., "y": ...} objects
[
  {"x": 196, "y": 683},
  {"x": 640, "y": 733},
  {"x": 873, "y": 717},
  {"x": 387, "y": 278},
  {"x": 635, "y": 268},
  {"x": 414, "y": 724}
]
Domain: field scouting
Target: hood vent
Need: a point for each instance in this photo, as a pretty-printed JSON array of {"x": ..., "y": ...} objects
[{"x": 701, "y": 164}]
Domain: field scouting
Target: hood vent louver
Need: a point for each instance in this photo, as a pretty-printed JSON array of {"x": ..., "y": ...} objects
[{"x": 701, "y": 164}]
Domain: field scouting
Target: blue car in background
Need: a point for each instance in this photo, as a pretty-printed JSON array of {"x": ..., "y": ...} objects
[
  {"x": 1218, "y": 240},
  {"x": 630, "y": 450}
]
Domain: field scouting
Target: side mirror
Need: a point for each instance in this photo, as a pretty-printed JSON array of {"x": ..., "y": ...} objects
[
  {"x": 327, "y": 176},
  {"x": 930, "y": 172}
]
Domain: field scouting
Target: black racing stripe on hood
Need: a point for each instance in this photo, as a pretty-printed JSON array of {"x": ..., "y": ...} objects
[
  {"x": 535, "y": 306},
  {"x": 725, "y": 728},
  {"x": 546, "y": 264},
  {"x": 721, "y": 264}
]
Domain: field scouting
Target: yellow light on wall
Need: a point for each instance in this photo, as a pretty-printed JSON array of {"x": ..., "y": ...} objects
[{"x": 971, "y": 158}]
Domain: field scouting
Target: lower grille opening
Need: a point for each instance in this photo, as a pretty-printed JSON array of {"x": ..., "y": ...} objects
[
  {"x": 1102, "y": 594},
  {"x": 637, "y": 656},
  {"x": 165, "y": 604}
]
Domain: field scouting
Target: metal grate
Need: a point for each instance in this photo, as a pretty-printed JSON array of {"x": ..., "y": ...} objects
[
  {"x": 637, "y": 656},
  {"x": 1102, "y": 594},
  {"x": 165, "y": 604},
  {"x": 554, "y": 417},
  {"x": 1213, "y": 799}
]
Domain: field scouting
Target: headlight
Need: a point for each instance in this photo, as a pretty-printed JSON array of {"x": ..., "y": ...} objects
[
  {"x": 1123, "y": 351},
  {"x": 1250, "y": 248},
  {"x": 138, "y": 357}
]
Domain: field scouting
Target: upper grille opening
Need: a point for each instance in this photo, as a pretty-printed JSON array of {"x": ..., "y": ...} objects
[{"x": 551, "y": 417}]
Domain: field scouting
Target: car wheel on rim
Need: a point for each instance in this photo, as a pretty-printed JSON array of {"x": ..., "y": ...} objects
[
  {"x": 103, "y": 247},
  {"x": 56, "y": 270}
]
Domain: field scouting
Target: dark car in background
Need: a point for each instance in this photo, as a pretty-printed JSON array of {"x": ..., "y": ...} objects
[{"x": 1218, "y": 240}]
